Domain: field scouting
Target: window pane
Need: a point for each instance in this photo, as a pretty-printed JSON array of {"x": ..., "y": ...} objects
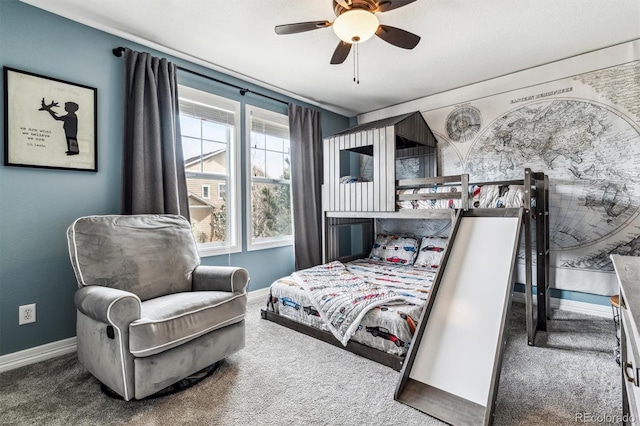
[
  {"x": 214, "y": 131},
  {"x": 274, "y": 144},
  {"x": 222, "y": 191},
  {"x": 258, "y": 165},
  {"x": 189, "y": 126},
  {"x": 275, "y": 165},
  {"x": 191, "y": 150},
  {"x": 208, "y": 215},
  {"x": 270, "y": 210},
  {"x": 287, "y": 167},
  {"x": 208, "y": 126},
  {"x": 214, "y": 158},
  {"x": 270, "y": 213},
  {"x": 257, "y": 140}
]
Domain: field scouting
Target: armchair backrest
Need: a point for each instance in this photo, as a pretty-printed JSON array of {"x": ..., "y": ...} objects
[{"x": 148, "y": 255}]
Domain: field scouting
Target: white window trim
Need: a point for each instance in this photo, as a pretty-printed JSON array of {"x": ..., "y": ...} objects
[
  {"x": 225, "y": 190},
  {"x": 265, "y": 243},
  {"x": 233, "y": 196},
  {"x": 208, "y": 187}
]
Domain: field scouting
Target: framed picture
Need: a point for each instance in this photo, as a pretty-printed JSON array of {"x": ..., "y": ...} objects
[{"x": 49, "y": 123}]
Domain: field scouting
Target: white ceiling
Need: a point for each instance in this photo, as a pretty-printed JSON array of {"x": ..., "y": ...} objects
[{"x": 463, "y": 41}]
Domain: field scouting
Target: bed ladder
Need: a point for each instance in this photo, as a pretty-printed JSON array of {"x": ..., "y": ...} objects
[{"x": 537, "y": 215}]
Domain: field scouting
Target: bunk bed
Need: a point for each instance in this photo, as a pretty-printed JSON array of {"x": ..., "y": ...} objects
[{"x": 387, "y": 209}]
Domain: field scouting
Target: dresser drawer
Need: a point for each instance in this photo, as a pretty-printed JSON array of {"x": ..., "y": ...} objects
[
  {"x": 628, "y": 273},
  {"x": 630, "y": 361}
]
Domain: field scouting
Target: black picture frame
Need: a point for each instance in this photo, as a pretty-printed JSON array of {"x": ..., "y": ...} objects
[{"x": 49, "y": 123}]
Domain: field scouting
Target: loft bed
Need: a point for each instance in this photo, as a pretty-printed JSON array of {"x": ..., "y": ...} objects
[
  {"x": 357, "y": 210},
  {"x": 288, "y": 305}
]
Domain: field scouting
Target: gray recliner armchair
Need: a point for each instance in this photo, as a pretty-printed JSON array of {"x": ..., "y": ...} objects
[{"x": 148, "y": 314}]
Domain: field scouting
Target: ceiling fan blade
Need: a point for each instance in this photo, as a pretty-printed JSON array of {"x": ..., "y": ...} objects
[
  {"x": 386, "y": 5},
  {"x": 341, "y": 53},
  {"x": 301, "y": 27},
  {"x": 397, "y": 37},
  {"x": 344, "y": 3}
]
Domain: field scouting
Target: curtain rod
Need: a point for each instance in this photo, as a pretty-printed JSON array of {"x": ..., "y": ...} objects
[{"x": 118, "y": 51}]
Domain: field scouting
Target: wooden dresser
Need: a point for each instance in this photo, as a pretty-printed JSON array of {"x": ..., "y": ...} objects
[{"x": 628, "y": 272}]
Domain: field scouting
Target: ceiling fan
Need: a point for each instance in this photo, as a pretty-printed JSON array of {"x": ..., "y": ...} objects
[{"x": 356, "y": 22}]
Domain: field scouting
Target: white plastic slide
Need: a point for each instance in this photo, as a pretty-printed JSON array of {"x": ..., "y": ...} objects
[{"x": 452, "y": 369}]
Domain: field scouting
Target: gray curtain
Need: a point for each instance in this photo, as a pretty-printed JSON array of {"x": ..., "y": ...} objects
[
  {"x": 153, "y": 166},
  {"x": 306, "y": 184}
]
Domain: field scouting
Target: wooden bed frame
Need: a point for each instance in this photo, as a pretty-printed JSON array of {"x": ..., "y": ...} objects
[
  {"x": 536, "y": 186},
  {"x": 381, "y": 357}
]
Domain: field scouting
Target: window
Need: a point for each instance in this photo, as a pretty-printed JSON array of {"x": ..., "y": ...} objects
[
  {"x": 269, "y": 221},
  {"x": 210, "y": 133},
  {"x": 206, "y": 191},
  {"x": 222, "y": 191}
]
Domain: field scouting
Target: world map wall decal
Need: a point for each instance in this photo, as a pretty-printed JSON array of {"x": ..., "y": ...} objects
[
  {"x": 576, "y": 120},
  {"x": 578, "y": 145},
  {"x": 463, "y": 123}
]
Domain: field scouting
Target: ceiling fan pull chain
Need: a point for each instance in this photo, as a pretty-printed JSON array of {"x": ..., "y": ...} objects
[
  {"x": 354, "y": 62},
  {"x": 358, "y": 63}
]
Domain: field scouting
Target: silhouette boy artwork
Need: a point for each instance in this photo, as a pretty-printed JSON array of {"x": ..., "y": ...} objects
[{"x": 70, "y": 121}]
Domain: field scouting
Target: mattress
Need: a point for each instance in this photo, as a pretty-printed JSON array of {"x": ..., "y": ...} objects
[{"x": 388, "y": 327}]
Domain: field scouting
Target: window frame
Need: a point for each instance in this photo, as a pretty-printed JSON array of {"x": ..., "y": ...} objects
[
  {"x": 232, "y": 178},
  {"x": 268, "y": 242},
  {"x": 222, "y": 187},
  {"x": 208, "y": 188}
]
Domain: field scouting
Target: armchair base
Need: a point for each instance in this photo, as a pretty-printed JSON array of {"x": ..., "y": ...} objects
[
  {"x": 149, "y": 375},
  {"x": 156, "y": 372},
  {"x": 179, "y": 386}
]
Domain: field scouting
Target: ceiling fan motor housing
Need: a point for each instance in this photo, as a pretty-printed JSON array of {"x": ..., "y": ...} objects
[{"x": 368, "y": 5}]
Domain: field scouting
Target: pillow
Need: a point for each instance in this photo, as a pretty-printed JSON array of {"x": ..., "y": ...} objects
[
  {"x": 394, "y": 249},
  {"x": 353, "y": 179},
  {"x": 430, "y": 253},
  {"x": 514, "y": 196}
]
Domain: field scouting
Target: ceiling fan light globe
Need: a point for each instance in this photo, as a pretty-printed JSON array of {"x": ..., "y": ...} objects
[{"x": 355, "y": 26}]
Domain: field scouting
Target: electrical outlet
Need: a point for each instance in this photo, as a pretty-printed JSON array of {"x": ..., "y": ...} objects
[{"x": 26, "y": 314}]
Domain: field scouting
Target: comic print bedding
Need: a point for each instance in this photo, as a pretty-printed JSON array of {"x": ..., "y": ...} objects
[
  {"x": 387, "y": 325},
  {"x": 485, "y": 196},
  {"x": 497, "y": 196},
  {"x": 429, "y": 204}
]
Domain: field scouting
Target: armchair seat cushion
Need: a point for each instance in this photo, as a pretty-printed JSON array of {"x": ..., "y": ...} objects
[{"x": 169, "y": 321}]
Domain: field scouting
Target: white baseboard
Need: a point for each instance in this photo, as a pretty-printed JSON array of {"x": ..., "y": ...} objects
[
  {"x": 37, "y": 354},
  {"x": 66, "y": 346},
  {"x": 260, "y": 294},
  {"x": 572, "y": 306}
]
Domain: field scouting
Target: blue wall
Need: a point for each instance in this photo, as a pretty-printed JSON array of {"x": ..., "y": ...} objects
[{"x": 37, "y": 205}]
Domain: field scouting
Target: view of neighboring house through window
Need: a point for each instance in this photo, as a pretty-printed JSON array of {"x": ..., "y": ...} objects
[
  {"x": 269, "y": 221},
  {"x": 206, "y": 191},
  {"x": 210, "y": 131}
]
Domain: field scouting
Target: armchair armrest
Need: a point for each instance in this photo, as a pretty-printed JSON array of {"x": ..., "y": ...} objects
[
  {"x": 108, "y": 305},
  {"x": 220, "y": 278}
]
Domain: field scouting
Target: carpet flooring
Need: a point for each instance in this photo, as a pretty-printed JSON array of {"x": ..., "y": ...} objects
[{"x": 285, "y": 378}]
